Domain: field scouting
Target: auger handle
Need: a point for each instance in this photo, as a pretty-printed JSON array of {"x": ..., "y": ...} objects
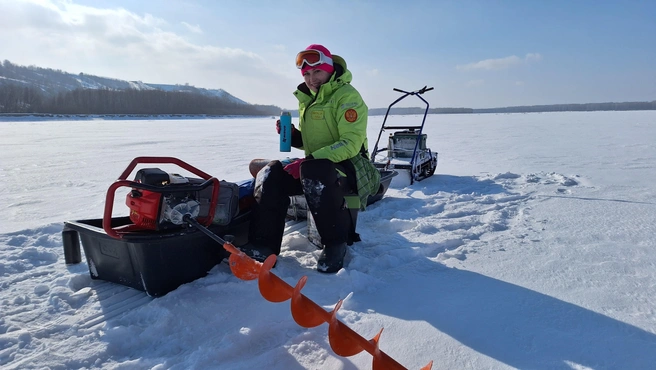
[{"x": 163, "y": 160}]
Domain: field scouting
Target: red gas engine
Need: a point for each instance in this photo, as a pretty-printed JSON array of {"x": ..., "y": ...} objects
[
  {"x": 175, "y": 196},
  {"x": 159, "y": 200}
]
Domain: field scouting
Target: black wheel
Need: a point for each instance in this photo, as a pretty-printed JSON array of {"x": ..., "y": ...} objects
[{"x": 429, "y": 171}]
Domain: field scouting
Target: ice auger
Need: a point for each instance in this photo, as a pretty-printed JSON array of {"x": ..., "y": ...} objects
[{"x": 343, "y": 340}]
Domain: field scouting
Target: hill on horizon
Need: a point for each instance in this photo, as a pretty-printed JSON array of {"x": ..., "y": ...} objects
[
  {"x": 47, "y": 91},
  {"x": 52, "y": 81}
]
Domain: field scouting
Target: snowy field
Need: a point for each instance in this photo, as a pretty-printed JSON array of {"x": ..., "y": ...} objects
[{"x": 532, "y": 247}]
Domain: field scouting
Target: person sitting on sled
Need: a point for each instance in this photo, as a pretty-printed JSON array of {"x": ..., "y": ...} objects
[{"x": 333, "y": 134}]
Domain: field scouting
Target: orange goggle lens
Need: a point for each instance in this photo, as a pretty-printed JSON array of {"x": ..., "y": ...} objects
[{"x": 312, "y": 58}]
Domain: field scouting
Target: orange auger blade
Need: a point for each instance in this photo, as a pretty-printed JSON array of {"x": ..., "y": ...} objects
[
  {"x": 428, "y": 366},
  {"x": 272, "y": 288},
  {"x": 241, "y": 265},
  {"x": 375, "y": 339},
  {"x": 303, "y": 309},
  {"x": 343, "y": 340}
]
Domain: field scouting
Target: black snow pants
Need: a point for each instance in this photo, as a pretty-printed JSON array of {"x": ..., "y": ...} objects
[{"x": 324, "y": 188}]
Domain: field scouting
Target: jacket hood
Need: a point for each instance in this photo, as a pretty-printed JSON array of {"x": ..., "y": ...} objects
[{"x": 345, "y": 74}]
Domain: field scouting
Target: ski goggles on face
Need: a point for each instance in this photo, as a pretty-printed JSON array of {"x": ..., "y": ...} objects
[{"x": 312, "y": 58}]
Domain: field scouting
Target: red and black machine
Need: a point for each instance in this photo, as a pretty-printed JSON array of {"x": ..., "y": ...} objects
[
  {"x": 159, "y": 245},
  {"x": 158, "y": 199}
]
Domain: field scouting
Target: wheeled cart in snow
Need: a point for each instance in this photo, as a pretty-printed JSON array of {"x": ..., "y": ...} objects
[{"x": 406, "y": 147}]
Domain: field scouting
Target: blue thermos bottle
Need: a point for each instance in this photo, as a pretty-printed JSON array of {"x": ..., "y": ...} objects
[{"x": 285, "y": 132}]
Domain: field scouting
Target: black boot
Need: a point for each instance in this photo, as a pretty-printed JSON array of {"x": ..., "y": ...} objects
[{"x": 331, "y": 258}]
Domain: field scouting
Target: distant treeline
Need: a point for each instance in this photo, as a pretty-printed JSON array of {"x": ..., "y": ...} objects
[
  {"x": 15, "y": 98},
  {"x": 588, "y": 107},
  {"x": 416, "y": 110},
  {"x": 572, "y": 107}
]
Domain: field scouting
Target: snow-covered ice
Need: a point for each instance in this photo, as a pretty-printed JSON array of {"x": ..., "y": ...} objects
[{"x": 533, "y": 246}]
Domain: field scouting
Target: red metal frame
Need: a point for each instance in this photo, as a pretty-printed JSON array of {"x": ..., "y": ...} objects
[{"x": 122, "y": 181}]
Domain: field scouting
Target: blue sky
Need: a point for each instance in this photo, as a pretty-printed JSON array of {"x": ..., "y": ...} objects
[{"x": 476, "y": 54}]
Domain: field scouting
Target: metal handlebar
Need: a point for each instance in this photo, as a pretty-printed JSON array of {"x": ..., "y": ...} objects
[{"x": 416, "y": 92}]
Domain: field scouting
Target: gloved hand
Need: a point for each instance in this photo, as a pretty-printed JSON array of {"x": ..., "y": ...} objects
[
  {"x": 294, "y": 168},
  {"x": 278, "y": 127}
]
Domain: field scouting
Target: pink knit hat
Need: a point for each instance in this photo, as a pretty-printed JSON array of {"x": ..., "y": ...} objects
[{"x": 323, "y": 66}]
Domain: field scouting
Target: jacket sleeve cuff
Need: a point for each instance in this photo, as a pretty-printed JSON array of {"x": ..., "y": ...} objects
[{"x": 297, "y": 139}]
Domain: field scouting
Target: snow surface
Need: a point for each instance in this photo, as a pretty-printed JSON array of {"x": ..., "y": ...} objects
[{"x": 532, "y": 247}]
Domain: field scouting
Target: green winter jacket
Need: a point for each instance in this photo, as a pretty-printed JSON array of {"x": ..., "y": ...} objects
[{"x": 333, "y": 125}]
